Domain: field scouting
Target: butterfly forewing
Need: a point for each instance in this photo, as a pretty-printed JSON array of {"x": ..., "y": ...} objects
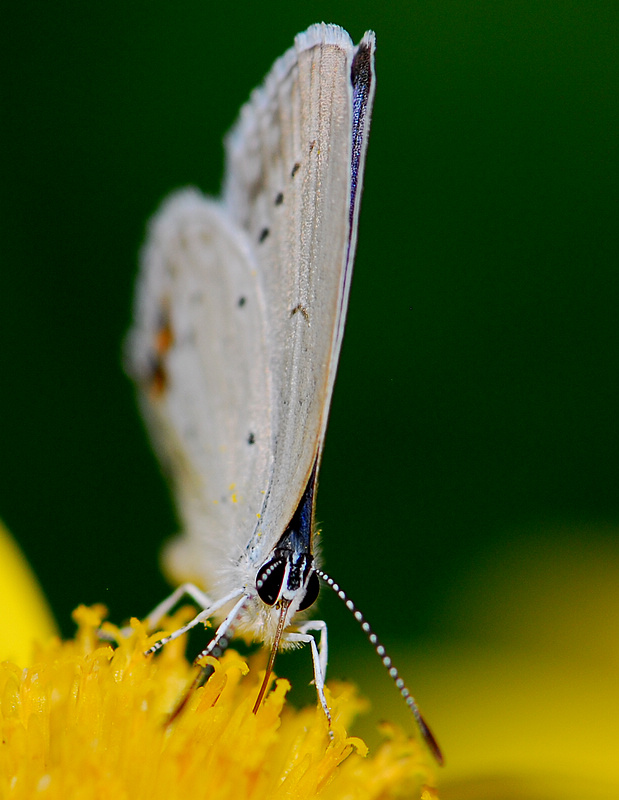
[{"x": 289, "y": 186}]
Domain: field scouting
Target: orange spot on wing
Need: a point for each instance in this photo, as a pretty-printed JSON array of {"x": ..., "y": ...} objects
[
  {"x": 164, "y": 338},
  {"x": 163, "y": 341}
]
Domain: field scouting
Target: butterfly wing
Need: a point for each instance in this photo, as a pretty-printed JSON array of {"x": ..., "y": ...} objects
[
  {"x": 240, "y": 307},
  {"x": 294, "y": 169},
  {"x": 197, "y": 351}
]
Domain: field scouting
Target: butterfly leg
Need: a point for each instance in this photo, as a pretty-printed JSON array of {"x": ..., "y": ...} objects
[
  {"x": 156, "y": 615},
  {"x": 319, "y": 656},
  {"x": 209, "y": 607},
  {"x": 197, "y": 595},
  {"x": 323, "y": 647}
]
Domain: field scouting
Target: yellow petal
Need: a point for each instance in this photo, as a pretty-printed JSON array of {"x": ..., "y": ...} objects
[{"x": 25, "y": 617}]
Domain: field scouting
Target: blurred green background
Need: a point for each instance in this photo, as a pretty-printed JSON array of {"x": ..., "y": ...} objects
[{"x": 477, "y": 399}]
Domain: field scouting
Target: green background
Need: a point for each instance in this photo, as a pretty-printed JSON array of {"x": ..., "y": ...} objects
[{"x": 477, "y": 398}]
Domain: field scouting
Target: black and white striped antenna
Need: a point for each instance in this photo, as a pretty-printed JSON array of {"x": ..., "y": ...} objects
[{"x": 387, "y": 663}]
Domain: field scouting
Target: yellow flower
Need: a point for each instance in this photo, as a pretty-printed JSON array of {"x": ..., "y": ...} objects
[
  {"x": 89, "y": 721},
  {"x": 525, "y": 701}
]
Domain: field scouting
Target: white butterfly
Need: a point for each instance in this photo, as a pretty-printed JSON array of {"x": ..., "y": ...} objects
[{"x": 239, "y": 319}]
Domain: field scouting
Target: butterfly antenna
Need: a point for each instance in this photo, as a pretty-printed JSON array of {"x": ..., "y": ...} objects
[{"x": 393, "y": 672}]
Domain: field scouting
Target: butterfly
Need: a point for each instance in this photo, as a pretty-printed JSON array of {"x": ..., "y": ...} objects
[{"x": 238, "y": 324}]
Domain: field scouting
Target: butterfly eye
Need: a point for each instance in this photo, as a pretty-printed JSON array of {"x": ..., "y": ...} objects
[
  {"x": 270, "y": 579},
  {"x": 311, "y": 593}
]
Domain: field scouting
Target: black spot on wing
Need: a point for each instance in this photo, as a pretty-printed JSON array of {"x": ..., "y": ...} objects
[
  {"x": 300, "y": 309},
  {"x": 157, "y": 378},
  {"x": 263, "y": 235},
  {"x": 279, "y": 199},
  {"x": 256, "y": 188}
]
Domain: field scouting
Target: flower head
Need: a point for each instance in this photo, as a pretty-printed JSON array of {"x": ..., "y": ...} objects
[{"x": 86, "y": 720}]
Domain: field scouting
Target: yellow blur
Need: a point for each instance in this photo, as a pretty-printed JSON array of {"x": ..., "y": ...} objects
[{"x": 25, "y": 617}]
